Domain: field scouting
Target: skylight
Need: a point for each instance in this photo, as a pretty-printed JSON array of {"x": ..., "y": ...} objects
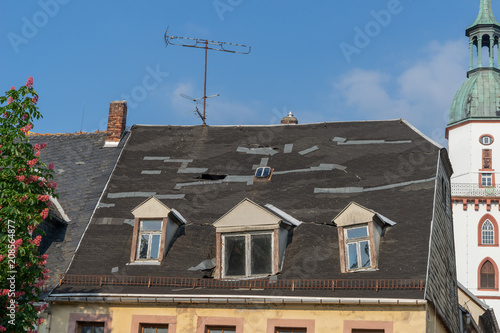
[{"x": 263, "y": 172}]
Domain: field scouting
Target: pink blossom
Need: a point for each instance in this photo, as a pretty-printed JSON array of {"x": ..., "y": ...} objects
[
  {"x": 45, "y": 213},
  {"x": 2, "y": 329},
  {"x": 37, "y": 153},
  {"x": 29, "y": 83},
  {"x": 1, "y": 257},
  {"x": 26, "y": 128},
  {"x": 24, "y": 116},
  {"x": 4, "y": 292},
  {"x": 10, "y": 100},
  {"x": 31, "y": 228},
  {"x": 32, "y": 162},
  {"x": 51, "y": 165},
  {"x": 52, "y": 185},
  {"x": 21, "y": 178},
  {"x": 35, "y": 99},
  {"x": 6, "y": 115},
  {"x": 12, "y": 88},
  {"x": 43, "y": 197},
  {"x": 36, "y": 240}
]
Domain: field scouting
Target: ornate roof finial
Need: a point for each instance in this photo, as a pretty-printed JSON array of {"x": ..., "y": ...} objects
[{"x": 485, "y": 15}]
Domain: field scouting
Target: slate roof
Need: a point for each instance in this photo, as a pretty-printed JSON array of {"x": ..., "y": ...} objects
[
  {"x": 386, "y": 166},
  {"x": 82, "y": 168}
]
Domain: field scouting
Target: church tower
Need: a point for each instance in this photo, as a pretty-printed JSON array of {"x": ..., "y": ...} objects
[{"x": 473, "y": 132}]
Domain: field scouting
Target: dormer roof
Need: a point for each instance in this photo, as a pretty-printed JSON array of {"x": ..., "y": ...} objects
[
  {"x": 247, "y": 215},
  {"x": 355, "y": 213}
]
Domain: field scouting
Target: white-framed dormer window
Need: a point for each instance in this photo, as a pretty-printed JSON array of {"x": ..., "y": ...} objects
[
  {"x": 148, "y": 244},
  {"x": 247, "y": 254},
  {"x": 357, "y": 246},
  {"x": 360, "y": 232},
  {"x": 154, "y": 228}
]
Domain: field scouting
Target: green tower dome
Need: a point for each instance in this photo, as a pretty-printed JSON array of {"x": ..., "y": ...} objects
[{"x": 478, "y": 97}]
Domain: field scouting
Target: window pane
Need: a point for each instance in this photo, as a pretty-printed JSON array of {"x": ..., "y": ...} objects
[
  {"x": 151, "y": 225},
  {"x": 149, "y": 330},
  {"x": 487, "y": 233},
  {"x": 357, "y": 232},
  {"x": 87, "y": 328},
  {"x": 262, "y": 256},
  {"x": 365, "y": 254},
  {"x": 486, "y": 179},
  {"x": 234, "y": 251},
  {"x": 353, "y": 255},
  {"x": 155, "y": 246},
  {"x": 162, "y": 330},
  {"x": 99, "y": 330},
  {"x": 143, "y": 247},
  {"x": 487, "y": 276}
]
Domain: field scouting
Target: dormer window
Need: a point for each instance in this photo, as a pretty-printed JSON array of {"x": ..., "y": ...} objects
[
  {"x": 247, "y": 255},
  {"x": 360, "y": 231},
  {"x": 358, "y": 247},
  {"x": 154, "y": 228},
  {"x": 251, "y": 240},
  {"x": 149, "y": 239},
  {"x": 263, "y": 173}
]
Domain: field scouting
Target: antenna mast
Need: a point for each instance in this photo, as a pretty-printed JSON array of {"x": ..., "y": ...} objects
[{"x": 207, "y": 45}]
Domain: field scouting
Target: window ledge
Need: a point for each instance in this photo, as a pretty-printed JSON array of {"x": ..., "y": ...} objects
[
  {"x": 154, "y": 263},
  {"x": 362, "y": 270}
]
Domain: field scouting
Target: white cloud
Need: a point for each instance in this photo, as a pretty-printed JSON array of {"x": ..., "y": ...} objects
[{"x": 422, "y": 95}]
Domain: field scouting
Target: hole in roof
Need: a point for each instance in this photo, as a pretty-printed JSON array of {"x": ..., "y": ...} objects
[
  {"x": 263, "y": 172},
  {"x": 209, "y": 176}
]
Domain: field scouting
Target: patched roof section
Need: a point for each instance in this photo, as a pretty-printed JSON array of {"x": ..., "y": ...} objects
[
  {"x": 81, "y": 169},
  {"x": 384, "y": 153}
]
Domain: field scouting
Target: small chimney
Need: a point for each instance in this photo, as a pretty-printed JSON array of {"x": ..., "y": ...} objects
[
  {"x": 290, "y": 119},
  {"x": 116, "y": 123}
]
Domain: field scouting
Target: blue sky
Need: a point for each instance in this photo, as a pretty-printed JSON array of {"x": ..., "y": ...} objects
[{"x": 306, "y": 58}]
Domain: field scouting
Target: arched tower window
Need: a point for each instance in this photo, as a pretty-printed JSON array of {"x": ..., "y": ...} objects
[
  {"x": 487, "y": 275},
  {"x": 487, "y": 231}
]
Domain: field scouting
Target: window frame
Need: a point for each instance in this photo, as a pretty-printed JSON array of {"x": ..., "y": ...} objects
[
  {"x": 358, "y": 240},
  {"x": 248, "y": 253},
  {"x": 220, "y": 327},
  {"x": 273, "y": 324},
  {"x": 134, "y": 251},
  {"x": 487, "y": 235},
  {"x": 495, "y": 275},
  {"x": 94, "y": 324},
  {"x": 486, "y": 176},
  {"x": 142, "y": 326},
  {"x": 204, "y": 322},
  {"x": 486, "y": 136},
  {"x": 76, "y": 319},
  {"x": 482, "y": 221},
  {"x": 150, "y": 234}
]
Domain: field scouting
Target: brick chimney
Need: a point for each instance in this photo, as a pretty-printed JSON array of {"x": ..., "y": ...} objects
[
  {"x": 290, "y": 119},
  {"x": 116, "y": 123}
]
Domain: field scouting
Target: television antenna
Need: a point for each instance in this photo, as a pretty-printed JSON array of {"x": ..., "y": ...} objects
[{"x": 206, "y": 45}]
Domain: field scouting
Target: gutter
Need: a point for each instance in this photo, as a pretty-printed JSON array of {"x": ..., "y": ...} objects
[{"x": 227, "y": 299}]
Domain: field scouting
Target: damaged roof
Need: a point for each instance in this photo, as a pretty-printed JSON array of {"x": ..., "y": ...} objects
[
  {"x": 81, "y": 169},
  {"x": 318, "y": 169}
]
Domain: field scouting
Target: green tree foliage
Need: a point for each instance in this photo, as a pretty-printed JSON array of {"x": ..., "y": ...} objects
[{"x": 25, "y": 197}]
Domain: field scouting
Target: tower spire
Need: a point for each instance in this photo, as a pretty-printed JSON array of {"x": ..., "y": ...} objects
[{"x": 485, "y": 15}]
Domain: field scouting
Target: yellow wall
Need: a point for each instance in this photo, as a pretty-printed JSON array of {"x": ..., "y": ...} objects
[{"x": 327, "y": 318}]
